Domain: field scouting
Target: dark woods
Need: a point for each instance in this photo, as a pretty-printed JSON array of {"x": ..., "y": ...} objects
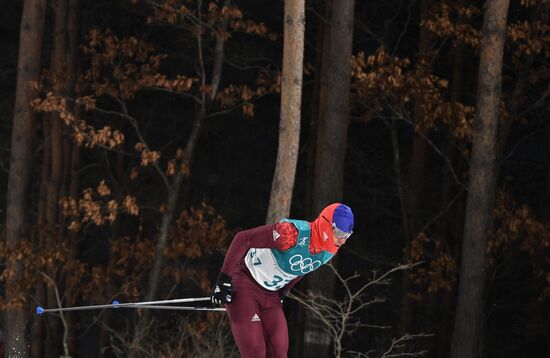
[{"x": 138, "y": 136}]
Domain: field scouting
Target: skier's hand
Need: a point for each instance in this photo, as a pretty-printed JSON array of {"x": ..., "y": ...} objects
[{"x": 222, "y": 290}]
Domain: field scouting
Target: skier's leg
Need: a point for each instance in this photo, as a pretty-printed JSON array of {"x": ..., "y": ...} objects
[
  {"x": 276, "y": 331},
  {"x": 246, "y": 323}
]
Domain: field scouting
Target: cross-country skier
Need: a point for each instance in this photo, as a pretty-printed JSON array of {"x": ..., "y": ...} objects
[{"x": 262, "y": 265}]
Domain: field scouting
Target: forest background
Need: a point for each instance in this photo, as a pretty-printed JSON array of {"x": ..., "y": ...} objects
[{"x": 137, "y": 137}]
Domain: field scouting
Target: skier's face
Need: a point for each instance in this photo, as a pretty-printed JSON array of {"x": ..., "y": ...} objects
[
  {"x": 340, "y": 237},
  {"x": 339, "y": 242}
]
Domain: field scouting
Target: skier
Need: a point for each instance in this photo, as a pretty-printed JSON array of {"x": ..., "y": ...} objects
[{"x": 262, "y": 265}]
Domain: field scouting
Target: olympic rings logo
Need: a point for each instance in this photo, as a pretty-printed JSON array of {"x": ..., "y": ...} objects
[{"x": 304, "y": 265}]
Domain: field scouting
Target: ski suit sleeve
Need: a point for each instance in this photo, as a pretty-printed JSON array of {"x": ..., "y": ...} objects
[{"x": 281, "y": 236}]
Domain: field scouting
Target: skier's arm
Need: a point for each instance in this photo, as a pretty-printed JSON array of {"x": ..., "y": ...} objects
[{"x": 280, "y": 236}]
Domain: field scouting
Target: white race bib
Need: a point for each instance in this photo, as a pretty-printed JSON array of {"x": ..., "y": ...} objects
[{"x": 265, "y": 270}]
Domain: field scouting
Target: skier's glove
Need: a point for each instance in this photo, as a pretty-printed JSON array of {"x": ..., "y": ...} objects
[{"x": 223, "y": 289}]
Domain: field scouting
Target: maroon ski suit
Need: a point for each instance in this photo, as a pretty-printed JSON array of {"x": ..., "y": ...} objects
[
  {"x": 257, "y": 319},
  {"x": 256, "y": 314}
]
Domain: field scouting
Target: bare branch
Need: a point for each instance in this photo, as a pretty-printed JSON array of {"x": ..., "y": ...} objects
[
  {"x": 61, "y": 315},
  {"x": 339, "y": 317},
  {"x": 435, "y": 148},
  {"x": 400, "y": 343},
  {"x": 134, "y": 124}
]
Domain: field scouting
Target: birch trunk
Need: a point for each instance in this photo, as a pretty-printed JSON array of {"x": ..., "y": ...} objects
[{"x": 291, "y": 103}]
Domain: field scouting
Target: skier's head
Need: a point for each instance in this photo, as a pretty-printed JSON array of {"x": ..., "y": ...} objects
[
  {"x": 333, "y": 226},
  {"x": 342, "y": 221},
  {"x": 342, "y": 224}
]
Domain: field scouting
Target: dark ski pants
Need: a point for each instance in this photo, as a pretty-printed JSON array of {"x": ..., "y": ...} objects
[{"x": 257, "y": 320}]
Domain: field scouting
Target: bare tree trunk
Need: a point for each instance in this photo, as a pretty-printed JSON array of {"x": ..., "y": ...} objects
[
  {"x": 318, "y": 109},
  {"x": 545, "y": 199},
  {"x": 154, "y": 276},
  {"x": 318, "y": 104},
  {"x": 291, "y": 103},
  {"x": 332, "y": 139},
  {"x": 419, "y": 148},
  {"x": 331, "y": 151},
  {"x": 117, "y": 185},
  {"x": 416, "y": 175},
  {"x": 58, "y": 71},
  {"x": 450, "y": 205},
  {"x": 449, "y": 182},
  {"x": 74, "y": 185},
  {"x": 174, "y": 189},
  {"x": 28, "y": 69},
  {"x": 468, "y": 332},
  {"x": 37, "y": 328},
  {"x": 173, "y": 193},
  {"x": 72, "y": 162},
  {"x": 37, "y": 348}
]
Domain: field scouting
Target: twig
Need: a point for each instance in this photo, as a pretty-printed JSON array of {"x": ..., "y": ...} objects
[{"x": 61, "y": 315}]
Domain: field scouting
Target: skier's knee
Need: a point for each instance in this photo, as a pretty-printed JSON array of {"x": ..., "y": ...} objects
[{"x": 253, "y": 350}]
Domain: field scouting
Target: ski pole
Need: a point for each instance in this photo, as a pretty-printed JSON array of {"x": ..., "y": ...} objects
[
  {"x": 115, "y": 304},
  {"x": 179, "y": 308}
]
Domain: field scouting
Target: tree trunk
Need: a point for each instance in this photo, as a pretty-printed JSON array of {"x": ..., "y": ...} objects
[
  {"x": 319, "y": 97},
  {"x": 332, "y": 138},
  {"x": 174, "y": 189},
  {"x": 38, "y": 339},
  {"x": 74, "y": 186},
  {"x": 71, "y": 184},
  {"x": 155, "y": 275},
  {"x": 545, "y": 199},
  {"x": 468, "y": 331},
  {"x": 291, "y": 102},
  {"x": 417, "y": 167},
  {"x": 449, "y": 186},
  {"x": 331, "y": 151},
  {"x": 416, "y": 175},
  {"x": 318, "y": 106},
  {"x": 58, "y": 72},
  {"x": 28, "y": 69},
  {"x": 450, "y": 205}
]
